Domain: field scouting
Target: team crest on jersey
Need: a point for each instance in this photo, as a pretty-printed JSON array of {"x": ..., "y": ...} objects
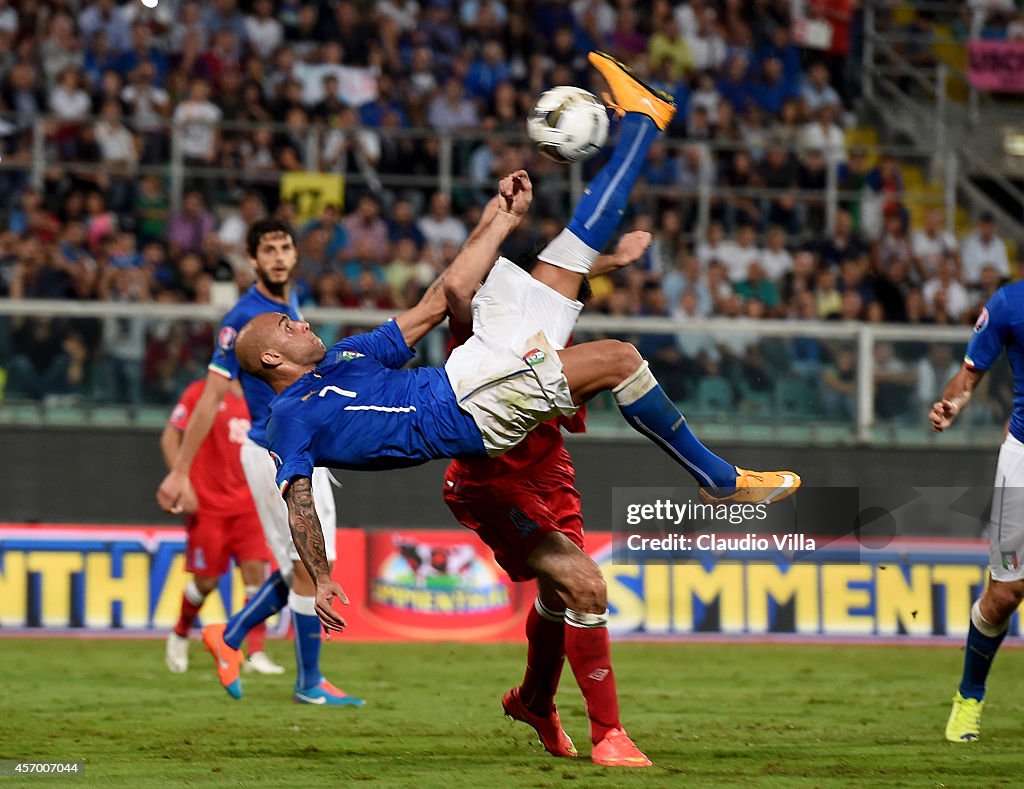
[
  {"x": 982, "y": 322},
  {"x": 179, "y": 412},
  {"x": 535, "y": 357},
  {"x": 277, "y": 458},
  {"x": 348, "y": 356},
  {"x": 226, "y": 338},
  {"x": 1010, "y": 560}
]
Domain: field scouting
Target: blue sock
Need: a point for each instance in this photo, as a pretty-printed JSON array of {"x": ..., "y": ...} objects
[
  {"x": 268, "y": 600},
  {"x": 978, "y": 657},
  {"x": 307, "y": 650},
  {"x": 654, "y": 415},
  {"x": 599, "y": 211}
]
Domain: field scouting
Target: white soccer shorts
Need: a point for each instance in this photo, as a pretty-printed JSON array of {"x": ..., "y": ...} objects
[
  {"x": 1006, "y": 524},
  {"x": 261, "y": 474},
  {"x": 508, "y": 376}
]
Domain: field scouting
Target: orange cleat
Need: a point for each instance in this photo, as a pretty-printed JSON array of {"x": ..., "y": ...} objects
[
  {"x": 630, "y": 94},
  {"x": 549, "y": 730},
  {"x": 228, "y": 660},
  {"x": 756, "y": 487},
  {"x": 617, "y": 750}
]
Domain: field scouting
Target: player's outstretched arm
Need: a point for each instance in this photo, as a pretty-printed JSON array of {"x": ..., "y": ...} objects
[
  {"x": 309, "y": 542},
  {"x": 416, "y": 321},
  {"x": 629, "y": 250},
  {"x": 176, "y": 489},
  {"x": 170, "y": 443},
  {"x": 955, "y": 397},
  {"x": 501, "y": 216}
]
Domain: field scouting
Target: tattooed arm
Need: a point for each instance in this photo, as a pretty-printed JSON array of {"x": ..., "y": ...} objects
[
  {"x": 429, "y": 311},
  {"x": 309, "y": 542}
]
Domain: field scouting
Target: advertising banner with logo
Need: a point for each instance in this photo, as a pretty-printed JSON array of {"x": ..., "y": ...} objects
[
  {"x": 444, "y": 586},
  {"x": 996, "y": 66}
]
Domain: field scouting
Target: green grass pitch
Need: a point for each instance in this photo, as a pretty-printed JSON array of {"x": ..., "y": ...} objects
[{"x": 746, "y": 715}]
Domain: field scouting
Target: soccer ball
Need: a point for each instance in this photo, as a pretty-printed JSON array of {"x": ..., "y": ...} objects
[{"x": 568, "y": 124}]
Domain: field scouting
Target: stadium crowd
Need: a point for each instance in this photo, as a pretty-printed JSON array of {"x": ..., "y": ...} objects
[{"x": 245, "y": 83}]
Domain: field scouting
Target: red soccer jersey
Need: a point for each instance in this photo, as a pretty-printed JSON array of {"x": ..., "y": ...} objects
[
  {"x": 543, "y": 445},
  {"x": 216, "y": 473}
]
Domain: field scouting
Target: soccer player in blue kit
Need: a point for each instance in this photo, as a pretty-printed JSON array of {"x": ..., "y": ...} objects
[
  {"x": 271, "y": 248},
  {"x": 1000, "y": 326},
  {"x": 354, "y": 407}
]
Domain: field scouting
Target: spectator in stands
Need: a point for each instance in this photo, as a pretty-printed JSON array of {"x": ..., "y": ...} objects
[
  {"x": 813, "y": 180},
  {"x": 263, "y": 32},
  {"x": 845, "y": 242},
  {"x": 489, "y": 69},
  {"x": 668, "y": 44},
  {"x": 450, "y": 110},
  {"x": 142, "y": 50},
  {"x": 943, "y": 294},
  {"x": 771, "y": 90},
  {"x": 439, "y": 226},
  {"x": 151, "y": 210},
  {"x": 706, "y": 42},
  {"x": 197, "y": 121},
  {"x": 839, "y": 386},
  {"x": 69, "y": 101},
  {"x": 825, "y": 135},
  {"x": 743, "y": 208},
  {"x": 817, "y": 92},
  {"x": 931, "y": 243},
  {"x": 61, "y": 49},
  {"x": 775, "y": 258},
  {"x": 224, "y": 15},
  {"x": 120, "y": 155},
  {"x": 756, "y": 286},
  {"x": 734, "y": 87},
  {"x": 894, "y": 246},
  {"x": 780, "y": 172},
  {"x": 49, "y": 363},
  {"x": 149, "y": 106},
  {"x": 988, "y": 284},
  {"x": 933, "y": 371},
  {"x": 402, "y": 224},
  {"x": 187, "y": 228},
  {"x": 894, "y": 384},
  {"x": 367, "y": 233},
  {"x": 983, "y": 248}
]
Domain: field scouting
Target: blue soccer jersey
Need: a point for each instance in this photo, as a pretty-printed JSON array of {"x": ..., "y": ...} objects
[
  {"x": 258, "y": 394},
  {"x": 358, "y": 410},
  {"x": 1001, "y": 325}
]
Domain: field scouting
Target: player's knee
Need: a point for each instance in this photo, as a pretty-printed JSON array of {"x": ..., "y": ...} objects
[
  {"x": 206, "y": 583},
  {"x": 624, "y": 358},
  {"x": 1001, "y": 599},
  {"x": 587, "y": 591}
]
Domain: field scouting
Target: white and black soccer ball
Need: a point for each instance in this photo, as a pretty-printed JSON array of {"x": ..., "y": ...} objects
[{"x": 568, "y": 124}]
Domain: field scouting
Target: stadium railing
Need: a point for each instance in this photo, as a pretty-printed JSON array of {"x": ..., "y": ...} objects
[
  {"x": 703, "y": 193},
  {"x": 797, "y": 382}
]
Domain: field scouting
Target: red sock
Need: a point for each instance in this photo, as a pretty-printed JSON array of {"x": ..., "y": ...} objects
[
  {"x": 191, "y": 601},
  {"x": 589, "y": 651},
  {"x": 545, "y": 632},
  {"x": 258, "y": 635}
]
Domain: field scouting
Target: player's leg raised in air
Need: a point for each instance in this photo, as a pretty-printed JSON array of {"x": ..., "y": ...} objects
[
  {"x": 990, "y": 615},
  {"x": 512, "y": 306},
  {"x": 291, "y": 586}
]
